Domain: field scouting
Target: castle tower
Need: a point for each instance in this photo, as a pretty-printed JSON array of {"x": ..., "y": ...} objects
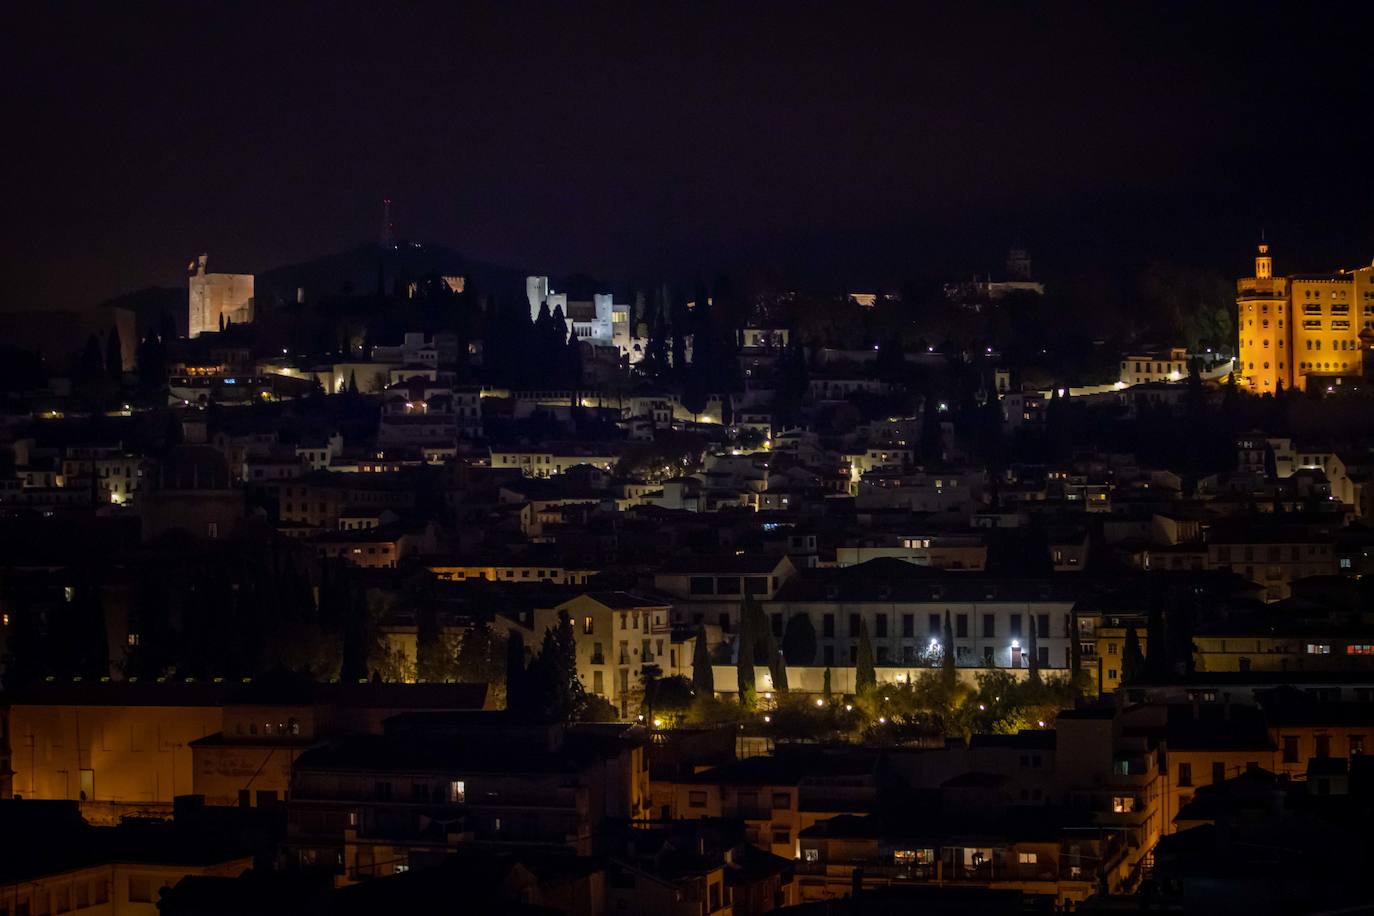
[
  {"x": 1018, "y": 264},
  {"x": 216, "y": 298},
  {"x": 1264, "y": 328},
  {"x": 536, "y": 291}
]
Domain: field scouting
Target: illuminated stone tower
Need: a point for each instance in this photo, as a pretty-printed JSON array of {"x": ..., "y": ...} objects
[
  {"x": 215, "y": 299},
  {"x": 1264, "y": 328}
]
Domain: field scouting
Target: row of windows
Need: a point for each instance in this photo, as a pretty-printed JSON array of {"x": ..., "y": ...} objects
[
  {"x": 78, "y": 895},
  {"x": 454, "y": 791},
  {"x": 289, "y": 727},
  {"x": 964, "y": 656},
  {"x": 646, "y": 648},
  {"x": 729, "y": 585},
  {"x": 1165, "y": 368},
  {"x": 1322, "y": 747},
  {"x": 935, "y": 625},
  {"x": 1274, "y": 552},
  {"x": 781, "y": 800},
  {"x": 541, "y": 574}
]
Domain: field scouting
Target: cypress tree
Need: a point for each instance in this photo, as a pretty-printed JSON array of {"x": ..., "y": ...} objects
[
  {"x": 777, "y": 666},
  {"x": 1132, "y": 658},
  {"x": 947, "y": 660},
  {"x": 679, "y": 346},
  {"x": 1155, "y": 663},
  {"x": 114, "y": 356},
  {"x": 1075, "y": 647},
  {"x": 1033, "y": 649},
  {"x": 516, "y": 699},
  {"x": 92, "y": 648},
  {"x": 559, "y": 695},
  {"x": 865, "y": 674},
  {"x": 744, "y": 661},
  {"x": 572, "y": 361},
  {"x": 703, "y": 677},
  {"x": 429, "y": 661},
  {"x": 932, "y": 445},
  {"x": 91, "y": 364}
]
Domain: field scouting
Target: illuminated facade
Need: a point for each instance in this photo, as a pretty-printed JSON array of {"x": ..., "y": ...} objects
[
  {"x": 214, "y": 299},
  {"x": 599, "y": 322},
  {"x": 1302, "y": 329}
]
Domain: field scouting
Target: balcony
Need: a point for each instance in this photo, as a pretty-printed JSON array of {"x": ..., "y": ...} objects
[
  {"x": 946, "y": 871},
  {"x": 598, "y": 658},
  {"x": 1132, "y": 770}
]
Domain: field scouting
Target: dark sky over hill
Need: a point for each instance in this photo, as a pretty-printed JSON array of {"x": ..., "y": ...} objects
[{"x": 838, "y": 143}]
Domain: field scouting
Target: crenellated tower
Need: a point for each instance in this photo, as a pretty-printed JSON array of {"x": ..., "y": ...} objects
[{"x": 1263, "y": 328}]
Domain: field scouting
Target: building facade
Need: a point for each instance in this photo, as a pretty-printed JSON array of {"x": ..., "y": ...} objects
[
  {"x": 217, "y": 299},
  {"x": 1303, "y": 329}
]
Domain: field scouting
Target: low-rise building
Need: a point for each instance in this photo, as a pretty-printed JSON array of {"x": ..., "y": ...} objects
[{"x": 370, "y": 806}]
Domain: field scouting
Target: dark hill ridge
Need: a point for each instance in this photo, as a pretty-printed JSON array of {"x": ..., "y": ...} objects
[{"x": 359, "y": 270}]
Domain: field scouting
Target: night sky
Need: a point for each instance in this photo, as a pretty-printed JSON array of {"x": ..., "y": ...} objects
[{"x": 835, "y": 142}]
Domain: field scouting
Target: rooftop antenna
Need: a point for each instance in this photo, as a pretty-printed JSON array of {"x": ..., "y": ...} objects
[{"x": 387, "y": 240}]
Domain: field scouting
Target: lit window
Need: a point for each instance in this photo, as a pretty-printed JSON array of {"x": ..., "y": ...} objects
[
  {"x": 1123, "y": 804},
  {"x": 1026, "y": 858}
]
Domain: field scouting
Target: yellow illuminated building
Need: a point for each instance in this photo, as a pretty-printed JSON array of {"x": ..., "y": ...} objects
[
  {"x": 1301, "y": 329},
  {"x": 114, "y": 757}
]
